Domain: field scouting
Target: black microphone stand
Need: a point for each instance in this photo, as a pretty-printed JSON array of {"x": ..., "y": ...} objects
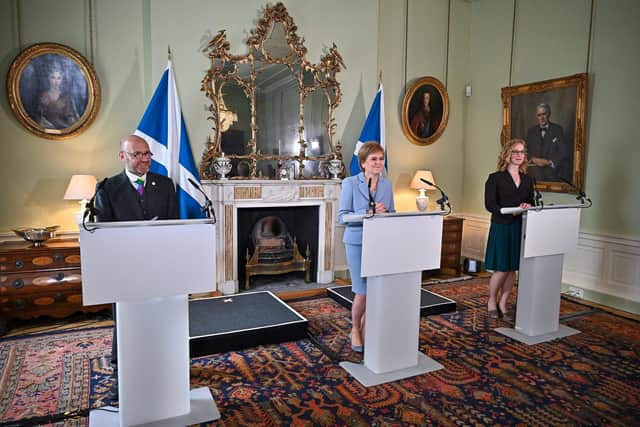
[
  {"x": 90, "y": 212},
  {"x": 372, "y": 200},
  {"x": 537, "y": 198},
  {"x": 443, "y": 199},
  {"x": 581, "y": 196}
]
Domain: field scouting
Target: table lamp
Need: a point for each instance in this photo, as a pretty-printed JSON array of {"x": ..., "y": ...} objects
[
  {"x": 82, "y": 188},
  {"x": 422, "y": 200}
]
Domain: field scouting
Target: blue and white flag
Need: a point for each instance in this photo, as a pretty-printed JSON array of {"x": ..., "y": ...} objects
[
  {"x": 373, "y": 130},
  {"x": 163, "y": 128}
]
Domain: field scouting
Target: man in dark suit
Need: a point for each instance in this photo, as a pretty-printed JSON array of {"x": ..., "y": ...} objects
[
  {"x": 546, "y": 146},
  {"x": 132, "y": 195}
]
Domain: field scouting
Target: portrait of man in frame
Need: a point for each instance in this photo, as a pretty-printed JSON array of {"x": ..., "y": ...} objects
[{"x": 550, "y": 117}]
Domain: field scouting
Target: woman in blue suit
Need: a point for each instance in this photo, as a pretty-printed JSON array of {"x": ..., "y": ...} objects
[{"x": 356, "y": 191}]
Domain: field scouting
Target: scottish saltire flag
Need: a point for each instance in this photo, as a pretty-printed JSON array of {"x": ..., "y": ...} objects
[
  {"x": 373, "y": 130},
  {"x": 163, "y": 128}
]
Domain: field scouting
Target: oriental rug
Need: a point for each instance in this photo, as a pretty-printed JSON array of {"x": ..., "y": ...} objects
[{"x": 592, "y": 378}]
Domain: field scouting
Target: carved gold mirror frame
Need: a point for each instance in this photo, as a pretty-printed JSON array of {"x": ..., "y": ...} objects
[{"x": 276, "y": 58}]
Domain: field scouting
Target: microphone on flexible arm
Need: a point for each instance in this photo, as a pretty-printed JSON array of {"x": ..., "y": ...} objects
[
  {"x": 581, "y": 196},
  {"x": 90, "y": 213},
  {"x": 208, "y": 205},
  {"x": 372, "y": 200},
  {"x": 442, "y": 200},
  {"x": 537, "y": 198}
]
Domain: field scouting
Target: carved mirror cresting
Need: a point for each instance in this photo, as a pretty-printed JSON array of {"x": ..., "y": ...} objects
[{"x": 272, "y": 110}]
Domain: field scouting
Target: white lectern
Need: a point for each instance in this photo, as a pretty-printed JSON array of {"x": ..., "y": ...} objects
[
  {"x": 395, "y": 250},
  {"x": 148, "y": 268},
  {"x": 547, "y": 234}
]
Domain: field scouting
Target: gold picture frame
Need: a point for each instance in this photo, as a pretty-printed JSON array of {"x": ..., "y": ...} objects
[
  {"x": 562, "y": 103},
  {"x": 53, "y": 91},
  {"x": 424, "y": 125}
]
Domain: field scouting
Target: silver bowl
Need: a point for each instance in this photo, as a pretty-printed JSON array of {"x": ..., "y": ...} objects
[{"x": 37, "y": 235}]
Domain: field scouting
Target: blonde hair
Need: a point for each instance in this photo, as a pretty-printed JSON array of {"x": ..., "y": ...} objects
[
  {"x": 505, "y": 155},
  {"x": 366, "y": 150}
]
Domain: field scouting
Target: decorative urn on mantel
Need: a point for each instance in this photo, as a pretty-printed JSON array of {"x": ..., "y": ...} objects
[{"x": 222, "y": 166}]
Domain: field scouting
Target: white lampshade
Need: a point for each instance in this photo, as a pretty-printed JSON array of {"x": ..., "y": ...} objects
[
  {"x": 81, "y": 187},
  {"x": 419, "y": 185}
]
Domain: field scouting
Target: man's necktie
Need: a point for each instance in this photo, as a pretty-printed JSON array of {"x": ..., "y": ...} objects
[{"x": 140, "y": 186}]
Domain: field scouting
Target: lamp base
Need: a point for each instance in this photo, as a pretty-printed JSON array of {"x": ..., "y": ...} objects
[{"x": 422, "y": 202}]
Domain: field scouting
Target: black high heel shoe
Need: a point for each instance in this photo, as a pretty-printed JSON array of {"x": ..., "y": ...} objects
[{"x": 356, "y": 348}]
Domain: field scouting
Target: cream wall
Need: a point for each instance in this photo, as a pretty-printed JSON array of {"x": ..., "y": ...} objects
[
  {"x": 131, "y": 39},
  {"x": 436, "y": 44},
  {"x": 551, "y": 39},
  {"x": 457, "y": 41}
]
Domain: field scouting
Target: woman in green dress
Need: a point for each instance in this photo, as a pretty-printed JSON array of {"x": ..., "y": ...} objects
[{"x": 509, "y": 186}]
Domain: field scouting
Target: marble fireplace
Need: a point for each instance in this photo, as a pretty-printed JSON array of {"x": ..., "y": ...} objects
[{"x": 231, "y": 196}]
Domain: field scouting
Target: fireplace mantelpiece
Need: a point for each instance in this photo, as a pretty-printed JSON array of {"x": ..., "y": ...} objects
[{"x": 230, "y": 195}]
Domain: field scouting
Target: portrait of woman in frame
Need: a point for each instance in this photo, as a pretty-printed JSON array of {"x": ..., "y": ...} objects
[
  {"x": 425, "y": 111},
  {"x": 551, "y": 117},
  {"x": 53, "y": 91}
]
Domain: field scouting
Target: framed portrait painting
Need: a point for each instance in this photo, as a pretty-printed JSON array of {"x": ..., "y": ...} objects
[
  {"x": 53, "y": 91},
  {"x": 551, "y": 117},
  {"x": 425, "y": 111}
]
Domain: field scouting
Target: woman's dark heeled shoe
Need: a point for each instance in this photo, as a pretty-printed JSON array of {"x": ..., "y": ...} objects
[
  {"x": 356, "y": 348},
  {"x": 495, "y": 314}
]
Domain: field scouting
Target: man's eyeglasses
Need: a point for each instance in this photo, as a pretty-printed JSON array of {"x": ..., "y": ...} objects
[
  {"x": 140, "y": 154},
  {"x": 519, "y": 152}
]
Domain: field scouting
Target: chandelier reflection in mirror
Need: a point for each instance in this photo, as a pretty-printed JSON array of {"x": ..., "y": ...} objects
[{"x": 271, "y": 108}]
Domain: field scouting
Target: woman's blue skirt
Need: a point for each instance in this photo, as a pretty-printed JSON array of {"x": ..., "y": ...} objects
[
  {"x": 354, "y": 259},
  {"x": 503, "y": 247}
]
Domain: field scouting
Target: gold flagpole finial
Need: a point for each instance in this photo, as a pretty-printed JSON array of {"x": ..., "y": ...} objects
[
  {"x": 168, "y": 52},
  {"x": 380, "y": 79}
]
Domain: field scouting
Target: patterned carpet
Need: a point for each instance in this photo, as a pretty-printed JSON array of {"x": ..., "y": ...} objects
[{"x": 592, "y": 378}]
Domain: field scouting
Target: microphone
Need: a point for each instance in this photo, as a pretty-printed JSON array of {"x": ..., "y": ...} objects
[
  {"x": 537, "y": 198},
  {"x": 90, "y": 213},
  {"x": 372, "y": 200},
  {"x": 581, "y": 196},
  {"x": 90, "y": 209},
  {"x": 208, "y": 205},
  {"x": 442, "y": 200}
]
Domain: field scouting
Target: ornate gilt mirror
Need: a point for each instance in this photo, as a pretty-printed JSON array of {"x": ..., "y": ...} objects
[{"x": 272, "y": 110}]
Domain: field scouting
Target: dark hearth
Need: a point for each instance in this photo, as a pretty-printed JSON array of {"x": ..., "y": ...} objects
[
  {"x": 277, "y": 240},
  {"x": 271, "y": 241}
]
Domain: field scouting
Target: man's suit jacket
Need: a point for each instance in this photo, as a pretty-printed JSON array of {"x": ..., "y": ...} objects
[
  {"x": 552, "y": 147},
  {"x": 117, "y": 200},
  {"x": 355, "y": 199}
]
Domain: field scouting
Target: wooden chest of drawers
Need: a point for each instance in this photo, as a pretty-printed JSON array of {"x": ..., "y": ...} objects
[
  {"x": 451, "y": 243},
  {"x": 451, "y": 248},
  {"x": 40, "y": 281}
]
